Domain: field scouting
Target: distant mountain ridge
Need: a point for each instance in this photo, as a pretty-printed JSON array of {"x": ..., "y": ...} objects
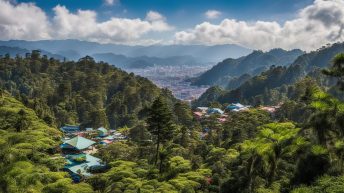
[
  {"x": 125, "y": 62},
  {"x": 252, "y": 64},
  {"x": 74, "y": 49},
  {"x": 13, "y": 51},
  {"x": 277, "y": 79}
]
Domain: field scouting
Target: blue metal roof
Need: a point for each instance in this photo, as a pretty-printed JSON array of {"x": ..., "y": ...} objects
[
  {"x": 82, "y": 168},
  {"x": 70, "y": 128}
]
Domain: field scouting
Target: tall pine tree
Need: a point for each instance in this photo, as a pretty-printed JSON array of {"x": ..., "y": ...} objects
[{"x": 160, "y": 123}]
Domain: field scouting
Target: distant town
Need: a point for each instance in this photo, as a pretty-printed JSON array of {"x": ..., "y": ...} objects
[{"x": 175, "y": 78}]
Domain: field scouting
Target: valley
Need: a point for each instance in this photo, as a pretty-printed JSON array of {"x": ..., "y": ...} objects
[
  {"x": 176, "y": 79},
  {"x": 125, "y": 96}
]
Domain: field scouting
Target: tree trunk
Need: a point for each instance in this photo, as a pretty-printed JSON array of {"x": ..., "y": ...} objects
[
  {"x": 157, "y": 149},
  {"x": 160, "y": 166},
  {"x": 250, "y": 175}
]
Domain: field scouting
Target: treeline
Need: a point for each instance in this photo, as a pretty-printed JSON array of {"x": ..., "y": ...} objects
[{"x": 84, "y": 92}]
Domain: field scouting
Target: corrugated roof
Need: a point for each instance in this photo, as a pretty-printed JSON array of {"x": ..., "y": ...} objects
[
  {"x": 82, "y": 168},
  {"x": 102, "y": 129},
  {"x": 80, "y": 142}
]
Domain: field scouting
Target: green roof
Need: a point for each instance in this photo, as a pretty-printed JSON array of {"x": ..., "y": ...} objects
[
  {"x": 102, "y": 129},
  {"x": 82, "y": 168},
  {"x": 80, "y": 142}
]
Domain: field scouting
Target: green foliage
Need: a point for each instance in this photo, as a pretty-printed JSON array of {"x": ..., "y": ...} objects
[
  {"x": 167, "y": 150},
  {"x": 28, "y": 164},
  {"x": 266, "y": 160},
  {"x": 160, "y": 124},
  {"x": 119, "y": 151},
  {"x": 337, "y": 70},
  {"x": 325, "y": 184},
  {"x": 92, "y": 94},
  {"x": 243, "y": 125},
  {"x": 138, "y": 176}
]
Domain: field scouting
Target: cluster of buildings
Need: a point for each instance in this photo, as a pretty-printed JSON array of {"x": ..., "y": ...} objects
[
  {"x": 205, "y": 112},
  {"x": 270, "y": 109},
  {"x": 79, "y": 146},
  {"x": 202, "y": 113}
]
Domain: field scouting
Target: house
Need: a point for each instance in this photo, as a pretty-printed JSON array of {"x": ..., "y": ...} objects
[
  {"x": 81, "y": 165},
  {"x": 70, "y": 129},
  {"x": 110, "y": 137},
  {"x": 77, "y": 143},
  {"x": 89, "y": 129},
  {"x": 105, "y": 142},
  {"x": 236, "y": 107},
  {"x": 269, "y": 109},
  {"x": 102, "y": 132},
  {"x": 119, "y": 136},
  {"x": 198, "y": 115},
  {"x": 202, "y": 109},
  {"x": 215, "y": 111},
  {"x": 222, "y": 119}
]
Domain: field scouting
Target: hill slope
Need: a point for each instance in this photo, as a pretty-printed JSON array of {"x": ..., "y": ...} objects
[
  {"x": 252, "y": 64},
  {"x": 276, "y": 78},
  {"x": 28, "y": 162},
  {"x": 92, "y": 94}
]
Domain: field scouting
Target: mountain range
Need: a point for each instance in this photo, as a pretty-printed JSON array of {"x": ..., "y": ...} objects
[
  {"x": 278, "y": 81},
  {"x": 252, "y": 64},
  {"x": 13, "y": 51},
  {"x": 125, "y": 62},
  {"x": 75, "y": 49}
]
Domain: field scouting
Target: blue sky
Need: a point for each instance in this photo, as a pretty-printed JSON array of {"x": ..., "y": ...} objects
[
  {"x": 256, "y": 24},
  {"x": 183, "y": 13}
]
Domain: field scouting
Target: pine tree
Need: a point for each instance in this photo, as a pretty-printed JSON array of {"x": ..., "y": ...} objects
[
  {"x": 337, "y": 70},
  {"x": 160, "y": 123}
]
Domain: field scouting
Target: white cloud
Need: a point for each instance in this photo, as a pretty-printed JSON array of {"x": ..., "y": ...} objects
[
  {"x": 154, "y": 16},
  {"x": 28, "y": 22},
  {"x": 158, "y": 21},
  {"x": 23, "y": 21},
  {"x": 212, "y": 14},
  {"x": 111, "y": 2},
  {"x": 315, "y": 25}
]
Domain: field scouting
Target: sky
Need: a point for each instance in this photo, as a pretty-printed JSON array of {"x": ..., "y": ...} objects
[{"x": 263, "y": 24}]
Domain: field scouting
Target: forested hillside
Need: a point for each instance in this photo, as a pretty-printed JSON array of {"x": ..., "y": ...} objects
[
  {"x": 29, "y": 160},
  {"x": 276, "y": 83},
  {"x": 253, "y": 64},
  {"x": 92, "y": 94},
  {"x": 298, "y": 148}
]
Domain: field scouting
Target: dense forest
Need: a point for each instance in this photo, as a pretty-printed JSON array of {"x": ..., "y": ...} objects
[
  {"x": 84, "y": 92},
  {"x": 298, "y": 149}
]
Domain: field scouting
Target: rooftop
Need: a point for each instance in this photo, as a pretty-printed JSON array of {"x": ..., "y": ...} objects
[{"x": 79, "y": 142}]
